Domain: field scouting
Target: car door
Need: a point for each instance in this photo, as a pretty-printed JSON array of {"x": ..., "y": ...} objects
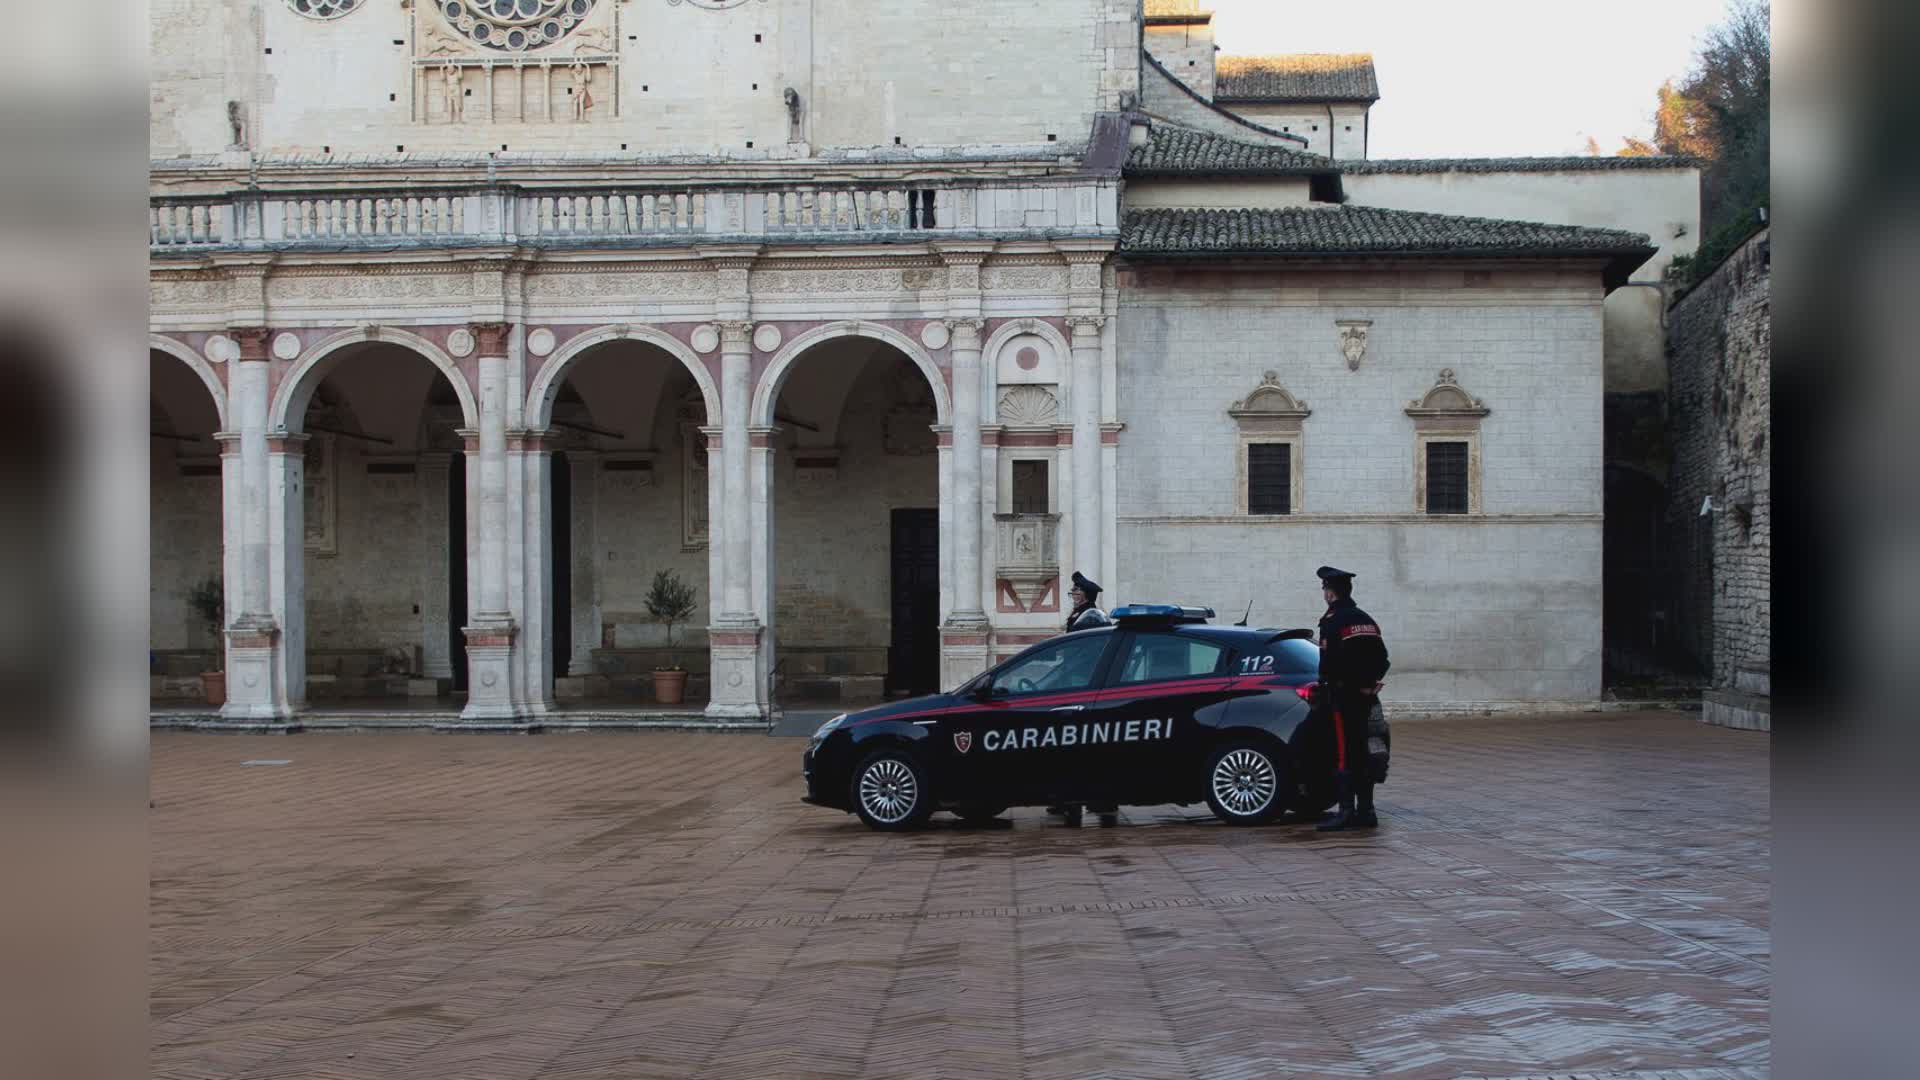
[
  {"x": 1161, "y": 681},
  {"x": 1025, "y": 753}
]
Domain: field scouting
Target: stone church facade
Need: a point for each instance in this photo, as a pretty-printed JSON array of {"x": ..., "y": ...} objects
[{"x": 872, "y": 323}]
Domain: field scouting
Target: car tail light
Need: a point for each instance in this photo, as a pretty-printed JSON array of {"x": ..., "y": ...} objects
[{"x": 1305, "y": 691}]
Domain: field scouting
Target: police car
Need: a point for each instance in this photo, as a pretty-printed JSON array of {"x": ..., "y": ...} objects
[{"x": 1159, "y": 708}]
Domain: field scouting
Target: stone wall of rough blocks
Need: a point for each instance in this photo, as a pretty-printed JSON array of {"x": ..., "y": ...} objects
[
  {"x": 1506, "y": 607},
  {"x": 690, "y": 79},
  {"x": 1164, "y": 97},
  {"x": 1720, "y": 352}
]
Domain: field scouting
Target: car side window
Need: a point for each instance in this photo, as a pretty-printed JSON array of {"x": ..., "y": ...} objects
[
  {"x": 1070, "y": 665},
  {"x": 1157, "y": 657}
]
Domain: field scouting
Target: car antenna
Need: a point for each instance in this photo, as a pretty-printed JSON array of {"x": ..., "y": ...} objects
[{"x": 1248, "y": 615}]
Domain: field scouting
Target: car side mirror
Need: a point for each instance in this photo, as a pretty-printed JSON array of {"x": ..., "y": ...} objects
[{"x": 987, "y": 691}]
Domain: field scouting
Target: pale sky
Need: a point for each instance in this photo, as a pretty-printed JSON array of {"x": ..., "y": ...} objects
[{"x": 1490, "y": 78}]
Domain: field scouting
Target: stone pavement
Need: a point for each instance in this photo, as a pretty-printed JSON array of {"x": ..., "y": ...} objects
[{"x": 1580, "y": 895}]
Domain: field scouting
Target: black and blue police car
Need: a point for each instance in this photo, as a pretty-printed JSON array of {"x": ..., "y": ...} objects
[{"x": 1162, "y": 707}]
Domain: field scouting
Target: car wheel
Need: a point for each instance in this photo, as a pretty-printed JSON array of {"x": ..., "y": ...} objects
[
  {"x": 890, "y": 792},
  {"x": 1246, "y": 784},
  {"x": 979, "y": 815}
]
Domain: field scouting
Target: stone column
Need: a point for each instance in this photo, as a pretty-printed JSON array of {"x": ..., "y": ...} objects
[
  {"x": 964, "y": 639},
  {"x": 735, "y": 635},
  {"x": 586, "y": 567},
  {"x": 490, "y": 627},
  {"x": 256, "y": 646},
  {"x": 1087, "y": 483},
  {"x": 435, "y": 652},
  {"x": 530, "y": 569}
]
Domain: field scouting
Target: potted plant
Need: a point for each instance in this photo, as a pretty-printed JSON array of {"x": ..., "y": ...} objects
[
  {"x": 669, "y": 601},
  {"x": 209, "y": 603}
]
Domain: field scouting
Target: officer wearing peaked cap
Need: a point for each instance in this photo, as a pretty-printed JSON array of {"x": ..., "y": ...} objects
[
  {"x": 1353, "y": 659},
  {"x": 1086, "y": 612}
]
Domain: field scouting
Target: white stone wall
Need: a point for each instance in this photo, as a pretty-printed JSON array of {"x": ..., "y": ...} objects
[
  {"x": 1502, "y": 606},
  {"x": 1187, "y": 52},
  {"x": 1663, "y": 203},
  {"x": 689, "y": 79},
  {"x": 1341, "y": 133}
]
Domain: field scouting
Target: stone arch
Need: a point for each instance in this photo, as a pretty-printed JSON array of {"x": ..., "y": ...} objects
[
  {"x": 546, "y": 385},
  {"x": 199, "y": 366},
  {"x": 290, "y": 400},
  {"x": 767, "y": 393}
]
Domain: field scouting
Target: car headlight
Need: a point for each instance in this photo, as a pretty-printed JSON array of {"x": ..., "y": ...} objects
[{"x": 820, "y": 735}]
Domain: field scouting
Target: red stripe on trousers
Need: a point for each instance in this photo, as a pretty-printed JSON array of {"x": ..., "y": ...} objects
[{"x": 1340, "y": 737}]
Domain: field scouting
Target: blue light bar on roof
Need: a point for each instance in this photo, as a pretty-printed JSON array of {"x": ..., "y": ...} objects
[{"x": 1161, "y": 613}]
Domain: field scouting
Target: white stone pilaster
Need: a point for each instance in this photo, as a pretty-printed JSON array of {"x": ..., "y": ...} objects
[
  {"x": 266, "y": 667},
  {"x": 530, "y": 570},
  {"x": 1087, "y": 483}
]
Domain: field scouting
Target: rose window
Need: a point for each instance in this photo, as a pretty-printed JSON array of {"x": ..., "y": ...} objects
[
  {"x": 515, "y": 25},
  {"x": 323, "y": 9}
]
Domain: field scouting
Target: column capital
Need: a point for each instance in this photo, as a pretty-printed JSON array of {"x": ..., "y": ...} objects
[
  {"x": 253, "y": 342},
  {"x": 1086, "y": 324},
  {"x": 288, "y": 442},
  {"x": 490, "y": 337},
  {"x": 966, "y": 332},
  {"x": 229, "y": 443},
  {"x": 736, "y": 335},
  {"x": 530, "y": 442},
  {"x": 470, "y": 436}
]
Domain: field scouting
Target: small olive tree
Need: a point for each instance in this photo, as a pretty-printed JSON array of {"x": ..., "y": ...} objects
[
  {"x": 670, "y": 600},
  {"x": 209, "y": 603}
]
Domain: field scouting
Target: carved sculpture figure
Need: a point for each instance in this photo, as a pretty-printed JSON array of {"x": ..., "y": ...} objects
[
  {"x": 582, "y": 97},
  {"x": 236, "y": 120},
  {"x": 792, "y": 98},
  {"x": 456, "y": 100}
]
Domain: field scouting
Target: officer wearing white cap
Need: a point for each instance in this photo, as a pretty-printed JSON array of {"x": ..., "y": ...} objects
[{"x": 1353, "y": 659}]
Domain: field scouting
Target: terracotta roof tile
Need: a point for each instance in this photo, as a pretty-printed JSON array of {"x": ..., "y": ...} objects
[{"x": 1296, "y": 77}]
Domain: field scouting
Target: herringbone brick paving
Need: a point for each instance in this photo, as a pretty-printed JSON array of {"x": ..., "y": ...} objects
[{"x": 1566, "y": 896}]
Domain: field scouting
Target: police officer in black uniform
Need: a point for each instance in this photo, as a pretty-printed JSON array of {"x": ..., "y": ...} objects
[
  {"x": 1353, "y": 659},
  {"x": 1086, "y": 615}
]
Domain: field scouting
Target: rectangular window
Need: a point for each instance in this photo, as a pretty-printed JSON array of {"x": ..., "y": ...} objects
[
  {"x": 1447, "y": 478},
  {"x": 1029, "y": 487},
  {"x": 1157, "y": 657},
  {"x": 1269, "y": 478}
]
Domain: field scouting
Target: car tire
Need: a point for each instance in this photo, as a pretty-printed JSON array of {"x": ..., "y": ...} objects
[
  {"x": 979, "y": 815},
  {"x": 1246, "y": 782},
  {"x": 890, "y": 791}
]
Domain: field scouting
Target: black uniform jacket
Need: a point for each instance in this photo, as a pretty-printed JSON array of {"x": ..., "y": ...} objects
[{"x": 1353, "y": 656}]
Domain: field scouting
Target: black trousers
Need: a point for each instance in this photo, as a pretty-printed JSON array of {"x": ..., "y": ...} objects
[{"x": 1350, "y": 710}]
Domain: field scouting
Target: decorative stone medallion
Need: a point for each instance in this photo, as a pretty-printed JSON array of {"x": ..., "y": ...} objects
[
  {"x": 460, "y": 343},
  {"x": 514, "y": 25},
  {"x": 935, "y": 335},
  {"x": 222, "y": 349},
  {"x": 286, "y": 345},
  {"x": 705, "y": 339},
  {"x": 1353, "y": 340},
  {"x": 323, "y": 9},
  {"x": 541, "y": 342},
  {"x": 766, "y": 337}
]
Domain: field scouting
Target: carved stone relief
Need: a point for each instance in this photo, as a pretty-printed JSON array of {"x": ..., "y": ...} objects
[
  {"x": 323, "y": 9},
  {"x": 1353, "y": 340},
  {"x": 1029, "y": 406}
]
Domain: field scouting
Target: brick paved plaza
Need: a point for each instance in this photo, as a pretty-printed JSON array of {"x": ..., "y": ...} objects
[{"x": 1572, "y": 895}]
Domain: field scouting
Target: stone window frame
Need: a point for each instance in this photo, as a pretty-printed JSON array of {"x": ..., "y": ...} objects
[
  {"x": 1270, "y": 414},
  {"x": 1446, "y": 413}
]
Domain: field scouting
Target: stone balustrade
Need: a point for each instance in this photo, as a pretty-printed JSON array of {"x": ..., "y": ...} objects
[{"x": 354, "y": 216}]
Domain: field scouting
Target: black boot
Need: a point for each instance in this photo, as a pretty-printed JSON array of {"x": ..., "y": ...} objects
[
  {"x": 1074, "y": 815},
  {"x": 1109, "y": 814},
  {"x": 1342, "y": 819},
  {"x": 1363, "y": 815}
]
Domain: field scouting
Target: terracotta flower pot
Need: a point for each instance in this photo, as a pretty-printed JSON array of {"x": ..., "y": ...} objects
[
  {"x": 669, "y": 687},
  {"x": 214, "y": 685}
]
